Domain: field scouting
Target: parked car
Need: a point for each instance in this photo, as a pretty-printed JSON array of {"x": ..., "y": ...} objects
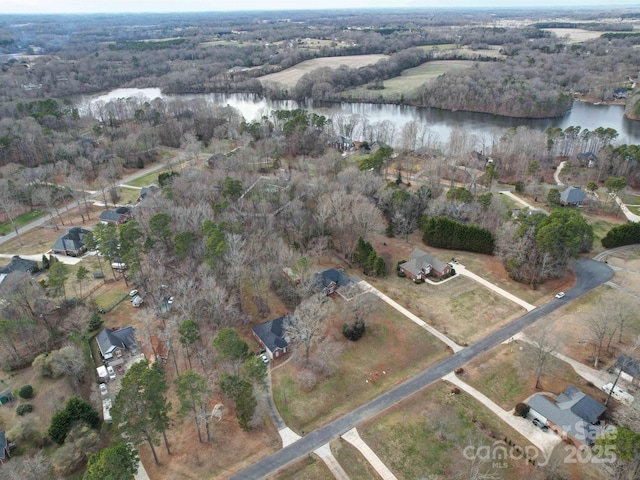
[
  {"x": 560, "y": 295},
  {"x": 264, "y": 358},
  {"x": 111, "y": 372},
  {"x": 103, "y": 389},
  {"x": 133, "y": 293},
  {"x": 540, "y": 425},
  {"x": 170, "y": 301}
]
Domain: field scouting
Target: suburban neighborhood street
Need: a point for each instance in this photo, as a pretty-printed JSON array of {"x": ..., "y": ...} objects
[{"x": 590, "y": 274}]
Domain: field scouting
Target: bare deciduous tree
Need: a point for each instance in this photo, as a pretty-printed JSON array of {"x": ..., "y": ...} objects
[{"x": 306, "y": 325}]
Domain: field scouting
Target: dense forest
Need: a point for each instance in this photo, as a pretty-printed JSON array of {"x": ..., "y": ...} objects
[{"x": 537, "y": 74}]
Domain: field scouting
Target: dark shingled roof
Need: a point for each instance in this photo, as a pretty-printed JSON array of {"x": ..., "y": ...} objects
[
  {"x": 18, "y": 264},
  {"x": 72, "y": 240},
  {"x": 109, "y": 339},
  {"x": 324, "y": 278},
  {"x": 628, "y": 365},
  {"x": 271, "y": 333},
  {"x": 572, "y": 195},
  {"x": 109, "y": 216}
]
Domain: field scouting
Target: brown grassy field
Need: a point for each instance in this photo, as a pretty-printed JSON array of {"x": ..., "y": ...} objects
[
  {"x": 425, "y": 435},
  {"x": 392, "y": 350},
  {"x": 289, "y": 77}
]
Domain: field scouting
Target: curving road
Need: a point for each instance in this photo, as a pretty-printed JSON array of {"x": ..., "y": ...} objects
[{"x": 590, "y": 274}]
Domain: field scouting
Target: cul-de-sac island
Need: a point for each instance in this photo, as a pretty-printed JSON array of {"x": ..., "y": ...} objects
[{"x": 315, "y": 244}]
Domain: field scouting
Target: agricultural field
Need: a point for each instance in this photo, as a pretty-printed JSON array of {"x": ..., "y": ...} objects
[
  {"x": 410, "y": 79},
  {"x": 289, "y": 77},
  {"x": 575, "y": 35}
]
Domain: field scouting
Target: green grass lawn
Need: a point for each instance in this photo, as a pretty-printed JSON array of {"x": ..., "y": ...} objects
[
  {"x": 352, "y": 461},
  {"x": 20, "y": 220},
  {"x": 146, "y": 180},
  {"x": 392, "y": 350},
  {"x": 409, "y": 80}
]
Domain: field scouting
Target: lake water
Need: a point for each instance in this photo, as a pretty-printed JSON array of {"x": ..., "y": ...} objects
[{"x": 440, "y": 122}]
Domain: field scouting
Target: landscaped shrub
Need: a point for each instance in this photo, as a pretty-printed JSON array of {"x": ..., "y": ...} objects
[
  {"x": 354, "y": 331},
  {"x": 26, "y": 391},
  {"x": 625, "y": 234},
  {"x": 24, "y": 409},
  {"x": 95, "y": 321},
  {"x": 522, "y": 409}
]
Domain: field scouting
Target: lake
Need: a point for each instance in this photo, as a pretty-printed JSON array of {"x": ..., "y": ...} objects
[{"x": 441, "y": 122}]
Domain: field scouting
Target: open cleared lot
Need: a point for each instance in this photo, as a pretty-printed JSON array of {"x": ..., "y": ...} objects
[
  {"x": 289, "y": 77},
  {"x": 392, "y": 350},
  {"x": 576, "y": 35},
  {"x": 425, "y": 437},
  {"x": 411, "y": 79}
]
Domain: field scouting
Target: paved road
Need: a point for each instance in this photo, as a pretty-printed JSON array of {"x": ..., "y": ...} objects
[
  {"x": 42, "y": 220},
  {"x": 590, "y": 274}
]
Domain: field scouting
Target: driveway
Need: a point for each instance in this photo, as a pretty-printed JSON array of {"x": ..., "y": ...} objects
[
  {"x": 544, "y": 441},
  {"x": 590, "y": 274}
]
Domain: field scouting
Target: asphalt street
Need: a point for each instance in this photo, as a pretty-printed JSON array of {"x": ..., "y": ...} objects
[{"x": 589, "y": 274}]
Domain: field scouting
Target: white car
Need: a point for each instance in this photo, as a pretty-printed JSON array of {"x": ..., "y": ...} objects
[
  {"x": 111, "y": 372},
  {"x": 264, "y": 358},
  {"x": 560, "y": 295},
  {"x": 133, "y": 293},
  {"x": 103, "y": 389}
]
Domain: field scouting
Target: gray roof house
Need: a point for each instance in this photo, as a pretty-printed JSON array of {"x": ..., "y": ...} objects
[
  {"x": 421, "y": 264},
  {"x": 271, "y": 336},
  {"x": 116, "y": 217},
  {"x": 571, "y": 415},
  {"x": 71, "y": 243},
  {"x": 114, "y": 343},
  {"x": 572, "y": 197},
  {"x": 329, "y": 280},
  {"x": 630, "y": 367},
  {"x": 18, "y": 264}
]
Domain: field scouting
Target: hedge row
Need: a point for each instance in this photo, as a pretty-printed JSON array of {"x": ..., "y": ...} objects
[{"x": 442, "y": 232}]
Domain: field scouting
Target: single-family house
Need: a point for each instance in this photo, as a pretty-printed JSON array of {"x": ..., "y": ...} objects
[
  {"x": 18, "y": 264},
  {"x": 587, "y": 159},
  {"x": 71, "y": 243},
  {"x": 628, "y": 367},
  {"x": 271, "y": 336},
  {"x": 341, "y": 143},
  {"x": 620, "y": 93},
  {"x": 4, "y": 447},
  {"x": 113, "y": 344},
  {"x": 572, "y": 197},
  {"x": 215, "y": 160},
  {"x": 328, "y": 281},
  {"x": 116, "y": 217},
  {"x": 572, "y": 415},
  {"x": 421, "y": 264},
  {"x": 150, "y": 190}
]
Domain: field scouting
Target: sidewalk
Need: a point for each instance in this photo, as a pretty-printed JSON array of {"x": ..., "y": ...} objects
[
  {"x": 414, "y": 318},
  {"x": 545, "y": 441},
  {"x": 353, "y": 437},
  {"x": 463, "y": 271}
]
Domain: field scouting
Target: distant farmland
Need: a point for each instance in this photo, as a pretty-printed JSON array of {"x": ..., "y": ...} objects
[
  {"x": 289, "y": 77},
  {"x": 408, "y": 81}
]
